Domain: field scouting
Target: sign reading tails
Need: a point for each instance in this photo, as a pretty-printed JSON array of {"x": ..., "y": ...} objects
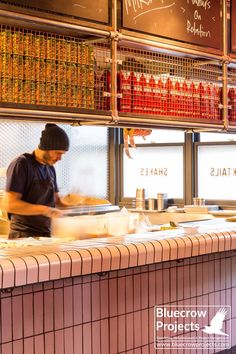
[{"x": 197, "y": 22}]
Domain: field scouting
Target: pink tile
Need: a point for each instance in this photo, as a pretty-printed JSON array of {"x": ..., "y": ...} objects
[
  {"x": 142, "y": 253},
  {"x": 113, "y": 294},
  {"x": 54, "y": 266},
  {"x": 227, "y": 241},
  {"x": 217, "y": 275},
  {"x": 202, "y": 244},
  {"x": 68, "y": 341},
  {"x": 49, "y": 310},
  {"x": 6, "y": 348},
  {"x": 77, "y": 303},
  {"x": 65, "y": 264},
  {"x": 113, "y": 335},
  {"x": 17, "y": 317},
  {"x": 180, "y": 247},
  {"x": 29, "y": 346},
  {"x": 129, "y": 293},
  {"x": 173, "y": 248},
  {"x": 17, "y": 291},
  {"x": 233, "y": 241},
  {"x": 38, "y": 287},
  {"x": 180, "y": 283},
  {"x": 59, "y": 342},
  {"x": 165, "y": 250},
  {"x": 87, "y": 338},
  {"x": 124, "y": 260},
  {"x": 28, "y": 318},
  {"x": 144, "y": 290},
  {"x": 159, "y": 287},
  {"x": 121, "y": 295},
  {"x": 150, "y": 252},
  {"x": 43, "y": 265},
  {"x": 173, "y": 283},
  {"x": 144, "y": 324},
  {"x": 121, "y": 334},
  {"x": 96, "y": 339},
  {"x": 48, "y": 285},
  {"x": 18, "y": 347},
  {"x": 78, "y": 340},
  {"x": 157, "y": 251},
  {"x": 32, "y": 270},
  {"x": 76, "y": 266},
  {"x": 195, "y": 246},
  {"x": 68, "y": 306},
  {"x": 106, "y": 259},
  {"x": 6, "y": 320},
  {"x": 137, "y": 329},
  {"x": 87, "y": 261},
  {"x": 193, "y": 280},
  {"x": 87, "y": 302},
  {"x": 208, "y": 242},
  {"x": 137, "y": 291},
  {"x": 228, "y": 275},
  {"x": 233, "y": 330},
  {"x": 8, "y": 279},
  {"x": 58, "y": 308},
  {"x": 38, "y": 312},
  {"x": 96, "y": 260},
  {"x": 186, "y": 281},
  {"x": 166, "y": 285},
  {"x": 104, "y": 293},
  {"x": 188, "y": 246},
  {"x": 221, "y": 238},
  {"x": 20, "y": 272},
  {"x": 151, "y": 288},
  {"x": 115, "y": 257},
  {"x": 133, "y": 255},
  {"x": 200, "y": 268},
  {"x": 49, "y": 343},
  {"x": 215, "y": 242},
  {"x": 39, "y": 344},
  {"x": 151, "y": 324},
  {"x": 95, "y": 295}
]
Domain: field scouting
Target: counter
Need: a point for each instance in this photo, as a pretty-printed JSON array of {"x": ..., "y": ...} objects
[{"x": 98, "y": 295}]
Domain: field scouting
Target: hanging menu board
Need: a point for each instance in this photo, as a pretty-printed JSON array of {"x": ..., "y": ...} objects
[
  {"x": 97, "y": 10},
  {"x": 196, "y": 22},
  {"x": 233, "y": 26}
]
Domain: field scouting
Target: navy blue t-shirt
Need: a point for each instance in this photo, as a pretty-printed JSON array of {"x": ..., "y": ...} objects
[{"x": 37, "y": 184}]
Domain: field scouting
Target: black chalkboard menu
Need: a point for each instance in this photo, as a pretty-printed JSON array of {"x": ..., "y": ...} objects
[
  {"x": 197, "y": 22},
  {"x": 97, "y": 10},
  {"x": 233, "y": 26}
]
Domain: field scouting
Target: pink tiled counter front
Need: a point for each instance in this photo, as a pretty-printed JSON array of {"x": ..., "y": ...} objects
[{"x": 98, "y": 296}]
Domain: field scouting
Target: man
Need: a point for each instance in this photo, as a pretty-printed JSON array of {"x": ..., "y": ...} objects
[{"x": 31, "y": 187}]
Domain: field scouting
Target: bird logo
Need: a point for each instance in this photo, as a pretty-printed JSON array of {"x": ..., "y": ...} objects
[{"x": 217, "y": 323}]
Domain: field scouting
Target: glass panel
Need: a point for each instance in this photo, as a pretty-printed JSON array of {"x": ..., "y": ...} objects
[
  {"x": 158, "y": 169},
  {"x": 161, "y": 136},
  {"x": 83, "y": 169},
  {"x": 217, "y": 172},
  {"x": 209, "y": 137}
]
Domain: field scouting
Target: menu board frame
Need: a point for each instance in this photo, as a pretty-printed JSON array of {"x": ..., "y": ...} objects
[
  {"x": 55, "y": 14},
  {"x": 172, "y": 38}
]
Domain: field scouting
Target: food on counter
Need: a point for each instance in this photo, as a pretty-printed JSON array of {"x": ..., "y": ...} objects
[{"x": 73, "y": 199}]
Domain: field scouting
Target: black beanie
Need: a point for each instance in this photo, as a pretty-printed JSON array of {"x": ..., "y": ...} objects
[{"x": 54, "y": 138}]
